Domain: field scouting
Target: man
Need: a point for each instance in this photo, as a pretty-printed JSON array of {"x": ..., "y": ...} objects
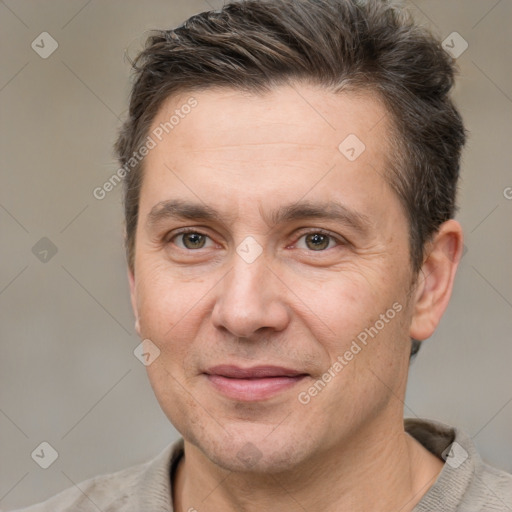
[{"x": 290, "y": 178}]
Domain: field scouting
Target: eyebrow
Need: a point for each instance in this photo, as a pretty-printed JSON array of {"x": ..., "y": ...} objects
[
  {"x": 183, "y": 210},
  {"x": 186, "y": 210},
  {"x": 325, "y": 211}
]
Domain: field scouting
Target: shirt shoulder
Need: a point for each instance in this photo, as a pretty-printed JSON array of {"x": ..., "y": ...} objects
[
  {"x": 130, "y": 490},
  {"x": 490, "y": 490},
  {"x": 466, "y": 483}
]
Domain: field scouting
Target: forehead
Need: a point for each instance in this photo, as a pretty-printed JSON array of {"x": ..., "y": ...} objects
[
  {"x": 277, "y": 146},
  {"x": 298, "y": 114}
]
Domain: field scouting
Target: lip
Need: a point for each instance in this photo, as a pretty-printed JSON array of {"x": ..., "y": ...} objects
[{"x": 252, "y": 384}]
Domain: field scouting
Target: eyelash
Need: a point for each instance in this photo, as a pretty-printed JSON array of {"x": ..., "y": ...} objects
[{"x": 319, "y": 231}]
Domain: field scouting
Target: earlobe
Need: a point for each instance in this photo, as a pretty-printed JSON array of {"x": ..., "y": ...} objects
[
  {"x": 133, "y": 298},
  {"x": 435, "y": 280}
]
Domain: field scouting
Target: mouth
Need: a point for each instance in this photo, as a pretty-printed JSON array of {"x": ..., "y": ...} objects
[{"x": 252, "y": 384}]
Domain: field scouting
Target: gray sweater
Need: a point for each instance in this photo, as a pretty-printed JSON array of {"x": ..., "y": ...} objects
[{"x": 465, "y": 484}]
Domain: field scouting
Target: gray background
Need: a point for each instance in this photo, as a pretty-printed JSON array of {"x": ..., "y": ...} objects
[{"x": 68, "y": 375}]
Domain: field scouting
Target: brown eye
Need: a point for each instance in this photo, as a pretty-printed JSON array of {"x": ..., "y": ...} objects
[
  {"x": 190, "y": 240},
  {"x": 316, "y": 241}
]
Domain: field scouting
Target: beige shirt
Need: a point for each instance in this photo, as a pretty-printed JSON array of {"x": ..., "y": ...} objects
[{"x": 465, "y": 484}]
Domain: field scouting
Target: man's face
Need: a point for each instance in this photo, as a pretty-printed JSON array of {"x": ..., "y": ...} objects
[{"x": 267, "y": 282}]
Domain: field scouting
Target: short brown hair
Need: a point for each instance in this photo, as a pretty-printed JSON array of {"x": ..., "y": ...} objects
[{"x": 373, "y": 45}]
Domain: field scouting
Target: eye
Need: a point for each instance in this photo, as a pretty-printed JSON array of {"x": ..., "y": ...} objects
[
  {"x": 191, "y": 240},
  {"x": 317, "y": 241}
]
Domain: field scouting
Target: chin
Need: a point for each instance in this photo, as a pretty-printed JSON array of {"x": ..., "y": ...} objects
[
  {"x": 246, "y": 452},
  {"x": 250, "y": 459}
]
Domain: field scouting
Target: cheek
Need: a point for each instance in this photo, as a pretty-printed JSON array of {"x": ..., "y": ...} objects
[
  {"x": 367, "y": 360},
  {"x": 348, "y": 301},
  {"x": 172, "y": 312},
  {"x": 363, "y": 327},
  {"x": 164, "y": 301}
]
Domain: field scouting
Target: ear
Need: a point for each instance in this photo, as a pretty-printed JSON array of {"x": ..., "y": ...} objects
[
  {"x": 435, "y": 280},
  {"x": 133, "y": 298}
]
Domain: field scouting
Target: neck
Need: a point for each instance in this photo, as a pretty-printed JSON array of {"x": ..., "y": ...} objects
[{"x": 387, "y": 471}]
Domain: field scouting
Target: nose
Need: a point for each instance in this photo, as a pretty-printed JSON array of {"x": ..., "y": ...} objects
[{"x": 250, "y": 299}]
